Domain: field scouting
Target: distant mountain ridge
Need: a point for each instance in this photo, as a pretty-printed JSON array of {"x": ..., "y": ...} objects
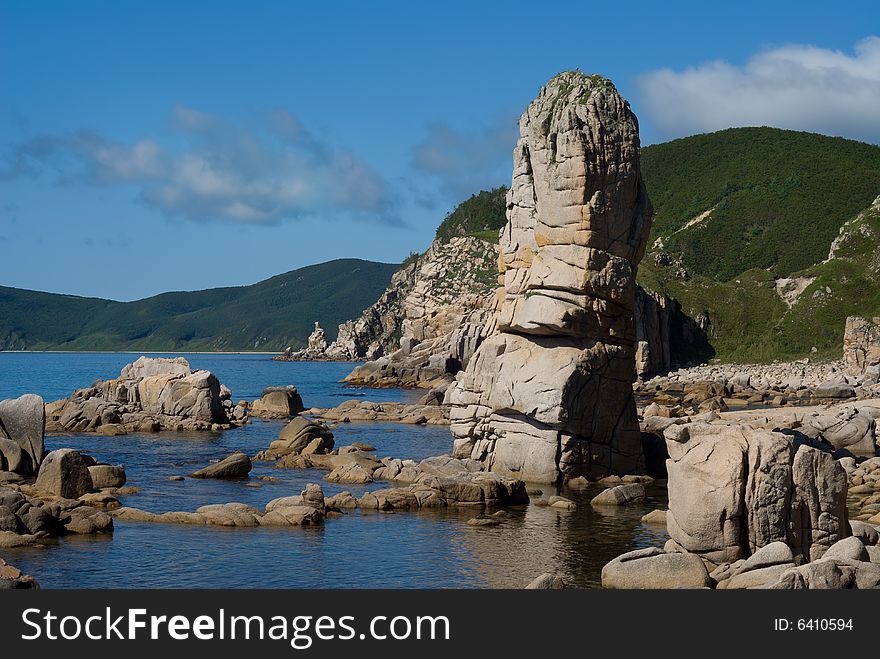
[{"x": 269, "y": 315}]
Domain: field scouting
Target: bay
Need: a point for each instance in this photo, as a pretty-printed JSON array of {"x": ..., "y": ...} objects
[{"x": 359, "y": 550}]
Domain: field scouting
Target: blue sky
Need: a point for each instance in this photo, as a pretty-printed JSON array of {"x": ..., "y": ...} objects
[{"x": 158, "y": 146}]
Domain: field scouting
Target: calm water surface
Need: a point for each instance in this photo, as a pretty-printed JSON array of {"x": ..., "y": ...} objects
[{"x": 359, "y": 550}]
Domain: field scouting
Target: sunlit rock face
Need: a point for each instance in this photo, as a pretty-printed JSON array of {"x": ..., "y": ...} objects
[{"x": 549, "y": 394}]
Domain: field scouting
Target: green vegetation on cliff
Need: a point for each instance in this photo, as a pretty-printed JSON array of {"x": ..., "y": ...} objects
[
  {"x": 750, "y": 320},
  {"x": 482, "y": 215},
  {"x": 269, "y": 315}
]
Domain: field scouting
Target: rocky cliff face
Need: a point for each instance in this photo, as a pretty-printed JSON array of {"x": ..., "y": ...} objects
[
  {"x": 426, "y": 340},
  {"x": 549, "y": 393},
  {"x": 441, "y": 314},
  {"x": 861, "y": 346},
  {"x": 378, "y": 329}
]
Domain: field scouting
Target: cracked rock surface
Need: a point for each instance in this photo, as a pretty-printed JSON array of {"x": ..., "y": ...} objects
[{"x": 548, "y": 394}]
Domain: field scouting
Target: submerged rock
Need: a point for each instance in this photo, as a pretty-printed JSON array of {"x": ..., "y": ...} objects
[
  {"x": 434, "y": 492},
  {"x": 657, "y": 517},
  {"x": 547, "y": 581},
  {"x": 620, "y": 495},
  {"x": 307, "y": 509}
]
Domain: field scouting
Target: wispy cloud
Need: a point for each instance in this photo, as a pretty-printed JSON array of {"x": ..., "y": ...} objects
[
  {"x": 465, "y": 161},
  {"x": 795, "y": 86},
  {"x": 191, "y": 119},
  {"x": 260, "y": 175}
]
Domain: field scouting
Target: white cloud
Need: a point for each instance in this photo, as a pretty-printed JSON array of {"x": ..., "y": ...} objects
[
  {"x": 115, "y": 162},
  {"x": 191, "y": 119},
  {"x": 258, "y": 175},
  {"x": 799, "y": 87}
]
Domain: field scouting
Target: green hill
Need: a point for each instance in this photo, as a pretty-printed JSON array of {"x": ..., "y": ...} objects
[
  {"x": 269, "y": 315},
  {"x": 739, "y": 211},
  {"x": 766, "y": 198}
]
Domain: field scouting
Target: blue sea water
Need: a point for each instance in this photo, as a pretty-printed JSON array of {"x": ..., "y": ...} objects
[{"x": 361, "y": 549}]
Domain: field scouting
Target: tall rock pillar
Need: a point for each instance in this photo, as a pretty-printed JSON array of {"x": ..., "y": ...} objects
[{"x": 549, "y": 394}]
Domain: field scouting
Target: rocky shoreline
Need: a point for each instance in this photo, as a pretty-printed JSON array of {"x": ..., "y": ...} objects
[{"x": 735, "y": 386}]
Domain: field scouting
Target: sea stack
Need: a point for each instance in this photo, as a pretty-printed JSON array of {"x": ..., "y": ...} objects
[{"x": 548, "y": 395}]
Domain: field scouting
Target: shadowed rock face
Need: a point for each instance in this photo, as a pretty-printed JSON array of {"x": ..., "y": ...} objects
[
  {"x": 548, "y": 394},
  {"x": 734, "y": 490},
  {"x": 22, "y": 422}
]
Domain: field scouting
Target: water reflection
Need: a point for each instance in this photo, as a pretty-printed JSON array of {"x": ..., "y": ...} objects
[{"x": 576, "y": 544}]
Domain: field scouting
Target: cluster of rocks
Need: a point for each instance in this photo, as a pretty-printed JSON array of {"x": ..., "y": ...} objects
[
  {"x": 438, "y": 481},
  {"x": 311, "y": 507},
  {"x": 849, "y": 428},
  {"x": 150, "y": 394},
  {"x": 45, "y": 495},
  {"x": 755, "y": 508},
  {"x": 465, "y": 489},
  {"x": 427, "y": 410},
  {"x": 549, "y": 393},
  {"x": 301, "y": 437},
  {"x": 345, "y": 348},
  {"x": 307, "y": 509},
  {"x": 27, "y": 520},
  {"x": 736, "y": 386}
]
